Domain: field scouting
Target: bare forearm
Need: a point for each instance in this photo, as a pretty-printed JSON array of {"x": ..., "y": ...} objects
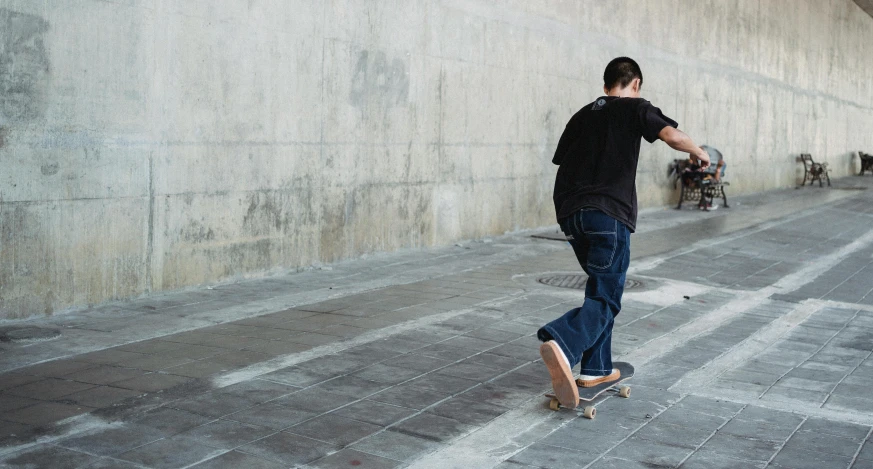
[{"x": 680, "y": 141}]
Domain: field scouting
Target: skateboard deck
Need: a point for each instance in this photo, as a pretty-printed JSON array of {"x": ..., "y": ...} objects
[{"x": 589, "y": 394}]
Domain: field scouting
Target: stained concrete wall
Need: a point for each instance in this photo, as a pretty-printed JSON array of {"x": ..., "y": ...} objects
[{"x": 148, "y": 145}]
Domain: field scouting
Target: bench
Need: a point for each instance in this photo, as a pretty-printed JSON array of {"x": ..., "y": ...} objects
[
  {"x": 814, "y": 171},
  {"x": 866, "y": 162},
  {"x": 697, "y": 186}
]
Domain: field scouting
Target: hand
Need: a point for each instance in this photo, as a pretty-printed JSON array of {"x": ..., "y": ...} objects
[{"x": 702, "y": 158}]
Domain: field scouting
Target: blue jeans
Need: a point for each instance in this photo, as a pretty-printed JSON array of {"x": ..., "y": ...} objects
[{"x": 602, "y": 246}]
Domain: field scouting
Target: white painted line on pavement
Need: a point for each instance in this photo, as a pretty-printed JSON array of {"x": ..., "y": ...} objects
[
  {"x": 786, "y": 404},
  {"x": 74, "y": 426},
  {"x": 747, "y": 349},
  {"x": 258, "y": 369}
]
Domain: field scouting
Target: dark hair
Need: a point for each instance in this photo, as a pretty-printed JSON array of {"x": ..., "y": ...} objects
[{"x": 621, "y": 71}]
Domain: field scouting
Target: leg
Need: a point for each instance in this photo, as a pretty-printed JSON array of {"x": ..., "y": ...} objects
[
  {"x": 682, "y": 193},
  {"x": 597, "y": 359},
  {"x": 602, "y": 247}
]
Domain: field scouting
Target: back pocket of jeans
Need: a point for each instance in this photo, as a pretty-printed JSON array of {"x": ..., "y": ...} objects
[{"x": 601, "y": 249}]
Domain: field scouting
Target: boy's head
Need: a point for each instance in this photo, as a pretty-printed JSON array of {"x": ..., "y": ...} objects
[{"x": 623, "y": 77}]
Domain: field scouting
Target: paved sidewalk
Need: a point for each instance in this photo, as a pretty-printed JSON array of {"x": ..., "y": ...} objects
[{"x": 751, "y": 330}]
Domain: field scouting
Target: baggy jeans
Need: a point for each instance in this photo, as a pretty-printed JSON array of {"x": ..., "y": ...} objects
[{"x": 602, "y": 246}]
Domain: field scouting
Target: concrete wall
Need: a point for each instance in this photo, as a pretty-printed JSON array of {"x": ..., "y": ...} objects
[{"x": 148, "y": 145}]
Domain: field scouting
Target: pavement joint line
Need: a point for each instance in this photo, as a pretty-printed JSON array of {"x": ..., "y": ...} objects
[
  {"x": 861, "y": 446},
  {"x": 830, "y": 394},
  {"x": 748, "y": 348},
  {"x": 844, "y": 281},
  {"x": 783, "y": 443}
]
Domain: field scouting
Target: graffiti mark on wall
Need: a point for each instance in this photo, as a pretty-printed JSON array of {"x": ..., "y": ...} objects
[{"x": 378, "y": 81}]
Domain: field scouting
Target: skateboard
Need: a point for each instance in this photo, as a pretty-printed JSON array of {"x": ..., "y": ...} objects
[{"x": 589, "y": 394}]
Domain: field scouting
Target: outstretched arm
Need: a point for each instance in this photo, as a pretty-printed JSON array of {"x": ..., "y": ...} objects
[{"x": 679, "y": 141}]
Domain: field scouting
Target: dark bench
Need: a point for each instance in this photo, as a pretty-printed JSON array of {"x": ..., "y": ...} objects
[
  {"x": 866, "y": 162},
  {"x": 697, "y": 186},
  {"x": 814, "y": 171}
]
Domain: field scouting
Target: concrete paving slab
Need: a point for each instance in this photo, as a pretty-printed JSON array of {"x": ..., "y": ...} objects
[
  {"x": 112, "y": 441},
  {"x": 750, "y": 449},
  {"x": 226, "y": 434},
  {"x": 709, "y": 459},
  {"x": 650, "y": 453},
  {"x": 170, "y": 453},
  {"x": 45, "y": 413},
  {"x": 802, "y": 459},
  {"x": 171, "y": 421},
  {"x": 289, "y": 449},
  {"x": 397, "y": 446},
  {"x": 46, "y": 456},
  {"x": 433, "y": 427}
]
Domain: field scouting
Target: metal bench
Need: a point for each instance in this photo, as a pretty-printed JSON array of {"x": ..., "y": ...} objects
[
  {"x": 814, "y": 171},
  {"x": 696, "y": 186},
  {"x": 866, "y": 162}
]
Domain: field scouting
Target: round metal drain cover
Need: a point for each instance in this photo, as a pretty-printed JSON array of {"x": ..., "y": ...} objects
[
  {"x": 577, "y": 281},
  {"x": 27, "y": 334},
  {"x": 565, "y": 281}
]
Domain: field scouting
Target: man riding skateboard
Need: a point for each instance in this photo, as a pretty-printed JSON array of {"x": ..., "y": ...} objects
[{"x": 596, "y": 203}]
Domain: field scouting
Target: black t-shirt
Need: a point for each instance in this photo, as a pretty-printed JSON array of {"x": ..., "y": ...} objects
[{"x": 598, "y": 154}]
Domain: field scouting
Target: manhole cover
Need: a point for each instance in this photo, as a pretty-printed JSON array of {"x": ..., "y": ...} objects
[
  {"x": 577, "y": 281},
  {"x": 27, "y": 334}
]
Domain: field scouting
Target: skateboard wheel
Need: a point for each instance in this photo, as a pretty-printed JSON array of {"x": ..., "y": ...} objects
[
  {"x": 624, "y": 391},
  {"x": 590, "y": 412},
  {"x": 554, "y": 404}
]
